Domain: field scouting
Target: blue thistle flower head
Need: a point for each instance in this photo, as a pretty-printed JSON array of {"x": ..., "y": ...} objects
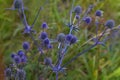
[
  {"x": 73, "y": 40},
  {"x": 77, "y": 10},
  {"x": 26, "y": 45},
  {"x": 47, "y": 61},
  {"x": 99, "y": 13},
  {"x": 88, "y": 20},
  {"x": 21, "y": 53},
  {"x": 61, "y": 37},
  {"x": 23, "y": 59},
  {"x": 69, "y": 37},
  {"x": 43, "y": 35},
  {"x": 27, "y": 30},
  {"x": 46, "y": 41},
  {"x": 13, "y": 55},
  {"x": 17, "y": 59},
  {"x": 77, "y": 17},
  {"x": 44, "y": 25},
  {"x": 8, "y": 72},
  {"x": 18, "y": 4},
  {"x": 110, "y": 23}
]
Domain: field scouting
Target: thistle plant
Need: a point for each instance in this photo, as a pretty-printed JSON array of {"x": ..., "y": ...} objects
[{"x": 44, "y": 43}]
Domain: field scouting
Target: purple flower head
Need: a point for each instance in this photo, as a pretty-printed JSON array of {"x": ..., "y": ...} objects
[
  {"x": 21, "y": 74},
  {"x": 47, "y": 61},
  {"x": 61, "y": 37},
  {"x": 17, "y": 59},
  {"x": 21, "y": 53},
  {"x": 77, "y": 17},
  {"x": 49, "y": 46},
  {"x": 18, "y": 4},
  {"x": 98, "y": 13},
  {"x": 13, "y": 55},
  {"x": 77, "y": 10},
  {"x": 26, "y": 45},
  {"x": 8, "y": 72},
  {"x": 88, "y": 20},
  {"x": 44, "y": 25},
  {"x": 110, "y": 23},
  {"x": 69, "y": 37},
  {"x": 23, "y": 59},
  {"x": 27, "y": 30},
  {"x": 43, "y": 35},
  {"x": 46, "y": 41},
  {"x": 73, "y": 40}
]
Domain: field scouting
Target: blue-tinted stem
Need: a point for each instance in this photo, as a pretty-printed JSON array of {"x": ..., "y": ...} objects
[
  {"x": 56, "y": 75},
  {"x": 96, "y": 23},
  {"x": 36, "y": 17},
  {"x": 71, "y": 28},
  {"x": 76, "y": 56},
  {"x": 59, "y": 56},
  {"x": 86, "y": 13},
  {"x": 71, "y": 12},
  {"x": 62, "y": 57},
  {"x": 36, "y": 43},
  {"x": 24, "y": 17},
  {"x": 101, "y": 35}
]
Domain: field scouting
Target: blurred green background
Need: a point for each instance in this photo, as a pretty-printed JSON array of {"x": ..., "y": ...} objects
[{"x": 101, "y": 63}]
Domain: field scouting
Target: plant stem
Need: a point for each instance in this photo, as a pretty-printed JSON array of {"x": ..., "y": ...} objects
[
  {"x": 76, "y": 56},
  {"x": 56, "y": 75}
]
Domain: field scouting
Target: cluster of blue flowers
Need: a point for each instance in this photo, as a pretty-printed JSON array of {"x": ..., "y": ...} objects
[
  {"x": 64, "y": 40},
  {"x": 19, "y": 59}
]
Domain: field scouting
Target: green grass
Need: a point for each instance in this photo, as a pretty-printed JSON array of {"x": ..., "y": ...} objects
[{"x": 100, "y": 63}]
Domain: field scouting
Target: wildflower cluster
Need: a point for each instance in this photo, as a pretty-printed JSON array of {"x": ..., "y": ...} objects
[
  {"x": 64, "y": 41},
  {"x": 16, "y": 69}
]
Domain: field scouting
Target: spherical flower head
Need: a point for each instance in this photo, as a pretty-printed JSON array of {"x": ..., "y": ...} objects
[
  {"x": 77, "y": 10},
  {"x": 17, "y": 59},
  {"x": 61, "y": 37},
  {"x": 8, "y": 72},
  {"x": 21, "y": 74},
  {"x": 77, "y": 17},
  {"x": 26, "y": 45},
  {"x": 44, "y": 25},
  {"x": 13, "y": 55},
  {"x": 110, "y": 23},
  {"x": 69, "y": 37},
  {"x": 88, "y": 20},
  {"x": 46, "y": 41},
  {"x": 49, "y": 46},
  {"x": 73, "y": 40},
  {"x": 47, "y": 61},
  {"x": 43, "y": 35},
  {"x": 18, "y": 4},
  {"x": 21, "y": 53},
  {"x": 27, "y": 29},
  {"x": 23, "y": 59},
  {"x": 99, "y": 13}
]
